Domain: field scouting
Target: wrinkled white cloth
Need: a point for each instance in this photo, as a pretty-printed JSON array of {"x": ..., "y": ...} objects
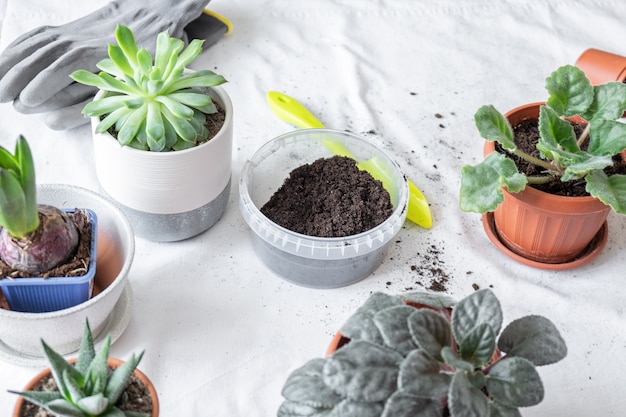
[{"x": 222, "y": 332}]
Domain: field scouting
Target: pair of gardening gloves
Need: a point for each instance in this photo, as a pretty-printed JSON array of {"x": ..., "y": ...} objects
[{"x": 35, "y": 68}]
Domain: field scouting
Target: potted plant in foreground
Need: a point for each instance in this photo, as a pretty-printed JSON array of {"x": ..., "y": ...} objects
[
  {"x": 534, "y": 228},
  {"x": 168, "y": 133},
  {"x": 92, "y": 385},
  {"x": 47, "y": 255},
  {"x": 421, "y": 355}
]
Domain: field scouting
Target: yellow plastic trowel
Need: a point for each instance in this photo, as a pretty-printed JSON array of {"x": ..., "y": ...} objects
[{"x": 291, "y": 111}]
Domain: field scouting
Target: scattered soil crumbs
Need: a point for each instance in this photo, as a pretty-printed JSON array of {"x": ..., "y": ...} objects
[
  {"x": 431, "y": 269},
  {"x": 330, "y": 197}
]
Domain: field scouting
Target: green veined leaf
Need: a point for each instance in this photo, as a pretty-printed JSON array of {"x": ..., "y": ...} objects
[
  {"x": 583, "y": 164},
  {"x": 306, "y": 386},
  {"x": 465, "y": 400},
  {"x": 421, "y": 376},
  {"x": 480, "y": 307},
  {"x": 430, "y": 331},
  {"x": 534, "y": 338},
  {"x": 515, "y": 382},
  {"x": 555, "y": 133},
  {"x": 493, "y": 126},
  {"x": 610, "y": 190},
  {"x": 609, "y": 102},
  {"x": 570, "y": 91},
  {"x": 478, "y": 345},
  {"x": 607, "y": 137}
]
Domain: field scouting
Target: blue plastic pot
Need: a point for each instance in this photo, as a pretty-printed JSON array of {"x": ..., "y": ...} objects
[{"x": 40, "y": 295}]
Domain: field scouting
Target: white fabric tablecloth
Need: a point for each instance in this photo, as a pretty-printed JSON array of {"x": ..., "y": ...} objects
[{"x": 222, "y": 332}]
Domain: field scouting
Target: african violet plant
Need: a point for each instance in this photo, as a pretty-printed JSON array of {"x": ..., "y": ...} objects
[
  {"x": 33, "y": 237},
  {"x": 403, "y": 361},
  {"x": 151, "y": 104},
  {"x": 88, "y": 388},
  {"x": 564, "y": 156}
]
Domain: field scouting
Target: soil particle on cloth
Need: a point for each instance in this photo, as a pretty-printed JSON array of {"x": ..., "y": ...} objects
[
  {"x": 431, "y": 270},
  {"x": 330, "y": 197}
]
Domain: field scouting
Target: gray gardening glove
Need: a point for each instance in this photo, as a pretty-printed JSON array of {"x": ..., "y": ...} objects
[{"x": 35, "y": 68}]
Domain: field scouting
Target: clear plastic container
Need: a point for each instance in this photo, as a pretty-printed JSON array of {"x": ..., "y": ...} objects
[
  {"x": 39, "y": 295},
  {"x": 309, "y": 261}
]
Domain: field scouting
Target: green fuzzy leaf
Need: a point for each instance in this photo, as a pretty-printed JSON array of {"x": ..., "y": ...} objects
[
  {"x": 421, "y": 376},
  {"x": 607, "y": 137},
  {"x": 404, "y": 405},
  {"x": 119, "y": 378},
  {"x": 609, "y": 102},
  {"x": 570, "y": 92},
  {"x": 361, "y": 371},
  {"x": 293, "y": 409},
  {"x": 306, "y": 386},
  {"x": 481, "y": 185},
  {"x": 93, "y": 405},
  {"x": 499, "y": 410},
  {"x": 478, "y": 345},
  {"x": 556, "y": 134},
  {"x": 610, "y": 190},
  {"x": 349, "y": 408},
  {"x": 534, "y": 338},
  {"x": 465, "y": 400},
  {"x": 493, "y": 126},
  {"x": 360, "y": 326},
  {"x": 481, "y": 307},
  {"x": 450, "y": 358},
  {"x": 583, "y": 164},
  {"x": 436, "y": 301},
  {"x": 393, "y": 326},
  {"x": 64, "y": 408},
  {"x": 430, "y": 331},
  {"x": 514, "y": 382}
]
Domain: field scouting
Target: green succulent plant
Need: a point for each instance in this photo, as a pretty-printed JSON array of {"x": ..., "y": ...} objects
[
  {"x": 152, "y": 104},
  {"x": 563, "y": 155},
  {"x": 88, "y": 388},
  {"x": 33, "y": 237},
  {"x": 403, "y": 361}
]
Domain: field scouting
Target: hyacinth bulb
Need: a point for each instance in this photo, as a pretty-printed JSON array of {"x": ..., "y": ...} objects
[{"x": 52, "y": 243}]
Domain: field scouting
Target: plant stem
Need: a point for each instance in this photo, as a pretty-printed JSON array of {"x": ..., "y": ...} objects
[
  {"x": 541, "y": 180},
  {"x": 583, "y": 136},
  {"x": 532, "y": 159}
]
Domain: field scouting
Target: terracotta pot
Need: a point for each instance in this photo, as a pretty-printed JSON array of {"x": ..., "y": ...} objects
[
  {"x": 542, "y": 227},
  {"x": 601, "y": 66},
  {"x": 113, "y": 363}
]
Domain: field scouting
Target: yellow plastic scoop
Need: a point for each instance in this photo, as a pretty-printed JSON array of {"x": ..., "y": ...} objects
[{"x": 291, "y": 111}]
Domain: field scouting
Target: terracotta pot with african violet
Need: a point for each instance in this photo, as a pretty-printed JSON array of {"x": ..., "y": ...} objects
[
  {"x": 546, "y": 230},
  {"x": 602, "y": 66}
]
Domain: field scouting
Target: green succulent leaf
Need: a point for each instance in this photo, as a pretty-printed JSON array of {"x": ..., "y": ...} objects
[
  {"x": 117, "y": 64},
  {"x": 534, "y": 338},
  {"x": 451, "y": 359},
  {"x": 74, "y": 391},
  {"x": 610, "y": 190},
  {"x": 465, "y": 400},
  {"x": 306, "y": 386},
  {"x": 175, "y": 108},
  {"x": 607, "y": 137},
  {"x": 514, "y": 382},
  {"x": 570, "y": 92},
  {"x": 362, "y": 371},
  {"x": 404, "y": 405},
  {"x": 97, "y": 373},
  {"x": 193, "y": 51},
  {"x": 119, "y": 378},
  {"x": 64, "y": 408},
  {"x": 556, "y": 135},
  {"x": 499, "y": 410},
  {"x": 93, "y": 405},
  {"x": 202, "y": 78},
  {"x": 86, "y": 352},
  {"x": 40, "y": 398},
  {"x": 126, "y": 41},
  {"x": 393, "y": 326},
  {"x": 478, "y": 346},
  {"x": 481, "y": 185},
  {"x": 481, "y": 307},
  {"x": 494, "y": 127},
  {"x": 609, "y": 102},
  {"x": 58, "y": 367},
  {"x": 131, "y": 124},
  {"x": 144, "y": 62},
  {"x": 430, "y": 331},
  {"x": 421, "y": 376}
]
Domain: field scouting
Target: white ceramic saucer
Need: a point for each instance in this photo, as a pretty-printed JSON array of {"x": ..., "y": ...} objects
[{"x": 115, "y": 325}]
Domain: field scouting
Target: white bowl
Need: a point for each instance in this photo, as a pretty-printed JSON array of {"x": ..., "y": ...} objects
[
  {"x": 315, "y": 262},
  {"x": 21, "y": 333}
]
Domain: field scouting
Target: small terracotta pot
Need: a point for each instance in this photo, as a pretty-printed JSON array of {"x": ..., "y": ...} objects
[
  {"x": 543, "y": 227},
  {"x": 601, "y": 66},
  {"x": 113, "y": 363}
]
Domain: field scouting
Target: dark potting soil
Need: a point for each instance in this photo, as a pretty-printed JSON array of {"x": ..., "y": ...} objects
[
  {"x": 136, "y": 397},
  {"x": 75, "y": 266},
  {"x": 526, "y": 138},
  {"x": 330, "y": 197}
]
